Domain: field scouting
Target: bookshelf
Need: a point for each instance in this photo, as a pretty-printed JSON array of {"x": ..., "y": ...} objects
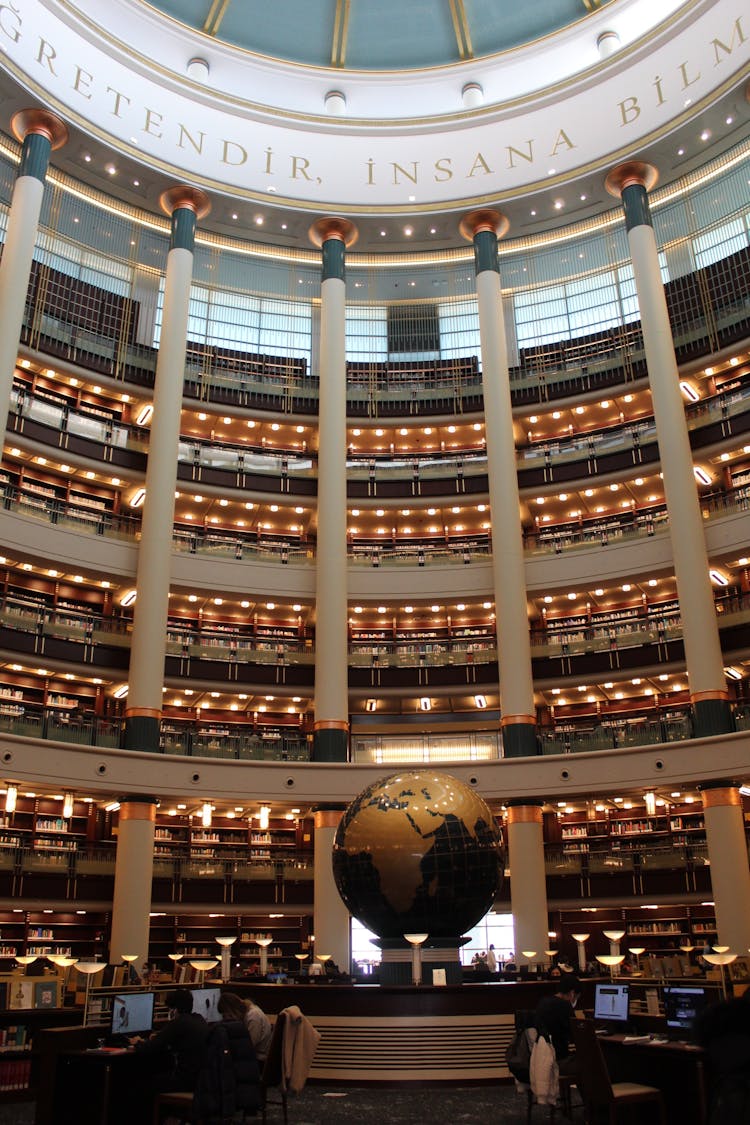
[{"x": 618, "y": 829}]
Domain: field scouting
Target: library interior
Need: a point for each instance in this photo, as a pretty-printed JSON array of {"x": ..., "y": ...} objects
[{"x": 374, "y": 541}]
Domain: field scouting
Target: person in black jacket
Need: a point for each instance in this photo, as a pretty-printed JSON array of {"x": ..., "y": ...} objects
[
  {"x": 553, "y": 1016},
  {"x": 182, "y": 1042},
  {"x": 230, "y": 1077}
]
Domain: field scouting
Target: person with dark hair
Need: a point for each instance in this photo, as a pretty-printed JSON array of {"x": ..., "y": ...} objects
[
  {"x": 182, "y": 1042},
  {"x": 233, "y": 1007},
  {"x": 552, "y": 1019}
]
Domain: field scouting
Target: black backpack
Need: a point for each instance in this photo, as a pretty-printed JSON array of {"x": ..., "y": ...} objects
[
  {"x": 215, "y": 1097},
  {"x": 518, "y": 1055}
]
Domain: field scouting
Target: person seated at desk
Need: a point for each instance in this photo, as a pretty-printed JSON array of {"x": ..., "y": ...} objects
[
  {"x": 182, "y": 1041},
  {"x": 553, "y": 1016},
  {"x": 257, "y": 1023}
]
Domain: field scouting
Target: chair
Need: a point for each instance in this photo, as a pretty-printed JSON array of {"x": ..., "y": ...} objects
[
  {"x": 272, "y": 1074},
  {"x": 599, "y": 1093},
  {"x": 178, "y": 1104},
  {"x": 524, "y": 1021}
]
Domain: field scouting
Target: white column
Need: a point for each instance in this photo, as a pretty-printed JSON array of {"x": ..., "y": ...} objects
[
  {"x": 528, "y": 885},
  {"x": 148, "y": 642},
  {"x": 331, "y": 723},
  {"x": 705, "y": 666},
  {"x": 730, "y": 870},
  {"x": 508, "y": 567},
  {"x": 331, "y": 920},
  {"x": 131, "y": 904},
  {"x": 40, "y": 132}
]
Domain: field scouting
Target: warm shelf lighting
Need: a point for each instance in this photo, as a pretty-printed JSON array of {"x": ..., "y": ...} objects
[
  {"x": 11, "y": 797},
  {"x": 264, "y": 817},
  {"x": 67, "y": 809},
  {"x": 206, "y": 811}
]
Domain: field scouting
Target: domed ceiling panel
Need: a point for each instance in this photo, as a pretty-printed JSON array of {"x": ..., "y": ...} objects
[{"x": 376, "y": 34}]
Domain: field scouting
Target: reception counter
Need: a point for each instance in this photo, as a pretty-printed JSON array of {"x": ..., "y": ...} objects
[{"x": 372, "y": 1033}]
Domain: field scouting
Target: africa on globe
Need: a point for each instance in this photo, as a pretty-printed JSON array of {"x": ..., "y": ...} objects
[{"x": 418, "y": 852}]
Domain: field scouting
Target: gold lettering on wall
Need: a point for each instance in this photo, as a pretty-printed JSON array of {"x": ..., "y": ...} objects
[
  {"x": 185, "y": 135},
  {"x": 81, "y": 83},
  {"x": 45, "y": 56},
  {"x": 737, "y": 34}
]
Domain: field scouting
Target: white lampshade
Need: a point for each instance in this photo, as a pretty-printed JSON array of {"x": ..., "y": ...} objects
[
  {"x": 27, "y": 958},
  {"x": 720, "y": 958},
  {"x": 528, "y": 954},
  {"x": 610, "y": 960},
  {"x": 226, "y": 941},
  {"x": 301, "y": 957},
  {"x": 636, "y": 950},
  {"x": 175, "y": 956},
  {"x": 204, "y": 965},
  {"x": 263, "y": 941},
  {"x": 88, "y": 968},
  {"x": 416, "y": 939},
  {"x": 129, "y": 957},
  {"x": 614, "y": 935},
  {"x": 720, "y": 948},
  {"x": 580, "y": 937}
]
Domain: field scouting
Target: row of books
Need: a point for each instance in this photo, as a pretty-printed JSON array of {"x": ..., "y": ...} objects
[
  {"x": 15, "y": 1074},
  {"x": 13, "y": 1037}
]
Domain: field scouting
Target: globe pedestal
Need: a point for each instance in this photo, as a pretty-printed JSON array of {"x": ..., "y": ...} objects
[{"x": 396, "y": 965}]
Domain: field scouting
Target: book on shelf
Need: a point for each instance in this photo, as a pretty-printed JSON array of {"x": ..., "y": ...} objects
[{"x": 15, "y": 1074}]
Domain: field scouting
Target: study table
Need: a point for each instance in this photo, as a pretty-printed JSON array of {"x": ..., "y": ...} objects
[{"x": 677, "y": 1069}]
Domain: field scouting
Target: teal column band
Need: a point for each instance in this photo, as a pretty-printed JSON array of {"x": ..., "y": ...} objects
[
  {"x": 712, "y": 716},
  {"x": 330, "y": 746},
  {"x": 142, "y": 733},
  {"x": 35, "y": 155},
  {"x": 635, "y": 203},
  {"x": 485, "y": 252},
  {"x": 520, "y": 741},
  {"x": 184, "y": 220},
  {"x": 333, "y": 258}
]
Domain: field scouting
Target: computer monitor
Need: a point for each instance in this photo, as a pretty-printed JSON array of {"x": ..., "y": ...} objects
[
  {"x": 611, "y": 1003},
  {"x": 132, "y": 1013},
  {"x": 206, "y": 1003},
  {"x": 683, "y": 1005}
]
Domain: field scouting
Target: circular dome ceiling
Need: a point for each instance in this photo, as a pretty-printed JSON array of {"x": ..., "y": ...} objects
[{"x": 376, "y": 34}]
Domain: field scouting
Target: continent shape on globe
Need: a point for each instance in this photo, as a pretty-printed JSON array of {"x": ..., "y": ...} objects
[{"x": 417, "y": 852}]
